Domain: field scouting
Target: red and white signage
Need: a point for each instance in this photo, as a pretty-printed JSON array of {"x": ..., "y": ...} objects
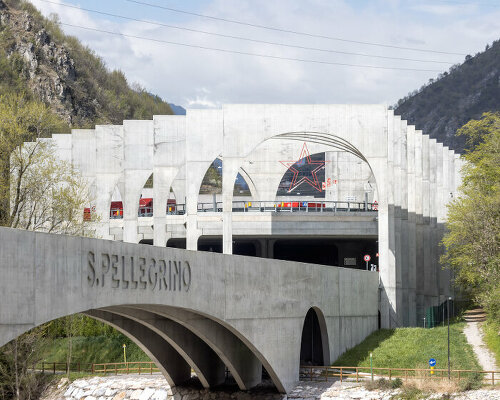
[{"x": 367, "y": 258}]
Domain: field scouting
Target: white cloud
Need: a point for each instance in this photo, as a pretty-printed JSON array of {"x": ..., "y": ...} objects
[{"x": 202, "y": 78}]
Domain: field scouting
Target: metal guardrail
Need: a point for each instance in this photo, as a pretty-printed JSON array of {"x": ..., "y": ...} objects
[
  {"x": 290, "y": 206},
  {"x": 323, "y": 373},
  {"x": 270, "y": 206}
]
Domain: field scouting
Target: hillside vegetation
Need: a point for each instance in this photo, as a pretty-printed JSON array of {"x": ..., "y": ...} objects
[
  {"x": 412, "y": 348},
  {"x": 92, "y": 349},
  {"x": 38, "y": 58},
  {"x": 466, "y": 92}
]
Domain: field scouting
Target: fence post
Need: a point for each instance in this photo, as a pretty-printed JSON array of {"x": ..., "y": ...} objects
[
  {"x": 127, "y": 367},
  {"x": 492, "y": 377},
  {"x": 93, "y": 368},
  {"x": 151, "y": 368},
  {"x": 116, "y": 369},
  {"x": 139, "y": 369},
  {"x": 390, "y": 374},
  {"x": 357, "y": 374},
  {"x": 43, "y": 367},
  {"x": 54, "y": 369},
  {"x": 79, "y": 368},
  {"x": 105, "y": 369}
]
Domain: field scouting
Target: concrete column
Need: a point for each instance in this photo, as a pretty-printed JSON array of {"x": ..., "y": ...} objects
[
  {"x": 405, "y": 251},
  {"x": 399, "y": 192},
  {"x": 331, "y": 171},
  {"x": 179, "y": 186},
  {"x": 230, "y": 167},
  {"x": 427, "y": 272},
  {"x": 105, "y": 184},
  {"x": 387, "y": 259},
  {"x": 270, "y": 248},
  {"x": 170, "y": 363},
  {"x": 433, "y": 171},
  {"x": 411, "y": 225},
  {"x": 163, "y": 178},
  {"x": 195, "y": 171},
  {"x": 419, "y": 233},
  {"x": 134, "y": 182}
]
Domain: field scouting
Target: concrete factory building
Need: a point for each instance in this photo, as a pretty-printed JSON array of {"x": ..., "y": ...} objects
[{"x": 324, "y": 184}]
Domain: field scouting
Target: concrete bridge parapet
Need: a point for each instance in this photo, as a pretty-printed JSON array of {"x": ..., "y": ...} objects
[{"x": 187, "y": 309}]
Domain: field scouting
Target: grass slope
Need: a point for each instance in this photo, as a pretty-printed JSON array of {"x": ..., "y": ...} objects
[
  {"x": 412, "y": 348},
  {"x": 492, "y": 338},
  {"x": 97, "y": 349}
]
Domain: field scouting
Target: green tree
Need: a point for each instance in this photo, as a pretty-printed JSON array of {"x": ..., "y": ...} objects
[
  {"x": 21, "y": 120},
  {"x": 47, "y": 194},
  {"x": 17, "y": 361},
  {"x": 473, "y": 239},
  {"x": 38, "y": 191}
]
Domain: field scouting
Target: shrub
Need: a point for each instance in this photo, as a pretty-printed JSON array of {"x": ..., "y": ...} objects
[
  {"x": 396, "y": 383},
  {"x": 408, "y": 393}
]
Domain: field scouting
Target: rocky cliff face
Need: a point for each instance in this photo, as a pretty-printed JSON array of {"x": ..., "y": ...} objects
[
  {"x": 467, "y": 91},
  {"x": 65, "y": 74},
  {"x": 48, "y": 67}
]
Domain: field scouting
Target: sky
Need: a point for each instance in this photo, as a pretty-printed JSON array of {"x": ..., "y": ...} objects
[{"x": 197, "y": 77}]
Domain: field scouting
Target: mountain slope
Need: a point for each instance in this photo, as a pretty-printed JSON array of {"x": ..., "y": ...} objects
[
  {"x": 464, "y": 93},
  {"x": 37, "y": 57}
]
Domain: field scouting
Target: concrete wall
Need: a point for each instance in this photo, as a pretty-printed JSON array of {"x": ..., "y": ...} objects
[
  {"x": 411, "y": 176},
  {"x": 186, "y": 309}
]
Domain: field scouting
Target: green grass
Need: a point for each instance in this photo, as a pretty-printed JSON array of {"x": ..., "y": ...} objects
[
  {"x": 97, "y": 349},
  {"x": 412, "y": 348},
  {"x": 492, "y": 338}
]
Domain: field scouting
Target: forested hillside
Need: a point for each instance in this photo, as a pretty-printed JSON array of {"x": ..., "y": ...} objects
[
  {"x": 38, "y": 58},
  {"x": 456, "y": 97}
]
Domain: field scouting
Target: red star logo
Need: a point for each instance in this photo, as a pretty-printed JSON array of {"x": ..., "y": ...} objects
[{"x": 303, "y": 159}]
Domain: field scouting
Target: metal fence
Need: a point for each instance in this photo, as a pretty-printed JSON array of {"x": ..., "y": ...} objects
[
  {"x": 358, "y": 374},
  {"x": 138, "y": 367}
]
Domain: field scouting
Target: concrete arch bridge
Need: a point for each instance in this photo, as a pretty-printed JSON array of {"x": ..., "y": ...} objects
[{"x": 190, "y": 309}]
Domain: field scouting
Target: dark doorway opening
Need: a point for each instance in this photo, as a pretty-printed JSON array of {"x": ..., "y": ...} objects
[
  {"x": 311, "y": 346},
  {"x": 177, "y": 243},
  {"x": 240, "y": 247},
  {"x": 317, "y": 251}
]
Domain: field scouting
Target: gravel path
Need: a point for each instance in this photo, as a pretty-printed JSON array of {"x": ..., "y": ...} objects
[{"x": 474, "y": 336}]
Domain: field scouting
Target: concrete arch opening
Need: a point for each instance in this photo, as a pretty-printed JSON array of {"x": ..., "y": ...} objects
[
  {"x": 116, "y": 204},
  {"x": 179, "y": 340},
  {"x": 330, "y": 178},
  {"x": 314, "y": 342},
  {"x": 145, "y": 206},
  {"x": 211, "y": 188},
  {"x": 303, "y": 177}
]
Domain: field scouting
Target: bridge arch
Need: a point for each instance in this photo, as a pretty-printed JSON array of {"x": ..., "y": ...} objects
[
  {"x": 232, "y": 308},
  {"x": 314, "y": 346}
]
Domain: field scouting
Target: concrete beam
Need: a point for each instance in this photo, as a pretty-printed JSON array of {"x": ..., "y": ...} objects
[{"x": 173, "y": 367}]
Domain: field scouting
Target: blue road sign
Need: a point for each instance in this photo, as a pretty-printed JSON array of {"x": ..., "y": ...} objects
[{"x": 432, "y": 362}]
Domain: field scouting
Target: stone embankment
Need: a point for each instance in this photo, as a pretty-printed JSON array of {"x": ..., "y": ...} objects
[{"x": 154, "y": 387}]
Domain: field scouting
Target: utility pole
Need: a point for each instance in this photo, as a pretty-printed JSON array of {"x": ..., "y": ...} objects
[{"x": 448, "y": 312}]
